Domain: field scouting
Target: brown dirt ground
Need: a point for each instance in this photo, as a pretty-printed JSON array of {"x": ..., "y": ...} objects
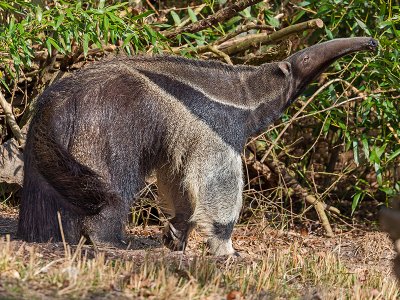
[{"x": 358, "y": 249}]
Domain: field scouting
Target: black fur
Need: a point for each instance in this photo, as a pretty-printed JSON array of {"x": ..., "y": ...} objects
[
  {"x": 55, "y": 180},
  {"x": 223, "y": 231}
]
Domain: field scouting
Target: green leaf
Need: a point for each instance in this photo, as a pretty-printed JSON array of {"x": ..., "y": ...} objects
[
  {"x": 127, "y": 39},
  {"x": 388, "y": 191},
  {"x": 393, "y": 155},
  {"x": 142, "y": 15},
  {"x": 85, "y": 44},
  {"x": 11, "y": 26},
  {"x": 356, "y": 153},
  {"x": 153, "y": 35},
  {"x": 303, "y": 3},
  {"x": 192, "y": 15},
  {"x": 176, "y": 18},
  {"x": 356, "y": 200},
  {"x": 272, "y": 21},
  {"x": 101, "y": 4},
  {"x": 113, "y": 37},
  {"x": 246, "y": 13},
  {"x": 48, "y": 45},
  {"x": 39, "y": 13},
  {"x": 67, "y": 41},
  {"x": 328, "y": 33},
  {"x": 327, "y": 125},
  {"x": 106, "y": 25},
  {"x": 232, "y": 21},
  {"x": 364, "y": 142},
  {"x": 53, "y": 43},
  {"x": 5, "y": 84},
  {"x": 378, "y": 172},
  {"x": 7, "y": 7},
  {"x": 298, "y": 16},
  {"x": 363, "y": 26},
  {"x": 116, "y": 6},
  {"x": 385, "y": 24},
  {"x": 59, "y": 21},
  {"x": 377, "y": 153}
]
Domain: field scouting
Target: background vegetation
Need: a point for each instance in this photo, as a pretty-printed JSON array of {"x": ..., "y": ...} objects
[
  {"x": 341, "y": 147},
  {"x": 339, "y": 144}
]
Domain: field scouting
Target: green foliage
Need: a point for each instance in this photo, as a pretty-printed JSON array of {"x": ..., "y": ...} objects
[
  {"x": 368, "y": 126},
  {"x": 68, "y": 25},
  {"x": 373, "y": 129}
]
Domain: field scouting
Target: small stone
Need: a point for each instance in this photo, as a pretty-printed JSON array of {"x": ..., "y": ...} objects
[{"x": 234, "y": 295}]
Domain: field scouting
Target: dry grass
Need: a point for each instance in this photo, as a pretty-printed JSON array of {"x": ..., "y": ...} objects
[{"x": 274, "y": 265}]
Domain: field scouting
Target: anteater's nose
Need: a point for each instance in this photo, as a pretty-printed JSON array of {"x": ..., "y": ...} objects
[{"x": 373, "y": 44}]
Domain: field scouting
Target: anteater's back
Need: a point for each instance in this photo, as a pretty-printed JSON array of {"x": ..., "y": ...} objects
[{"x": 82, "y": 153}]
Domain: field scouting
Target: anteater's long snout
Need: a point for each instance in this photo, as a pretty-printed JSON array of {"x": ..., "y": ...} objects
[
  {"x": 348, "y": 45},
  {"x": 310, "y": 62},
  {"x": 325, "y": 53}
]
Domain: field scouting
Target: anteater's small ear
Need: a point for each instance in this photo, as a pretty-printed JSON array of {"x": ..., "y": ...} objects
[{"x": 285, "y": 67}]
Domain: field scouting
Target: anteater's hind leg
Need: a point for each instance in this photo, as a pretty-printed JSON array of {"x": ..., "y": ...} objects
[{"x": 175, "y": 204}]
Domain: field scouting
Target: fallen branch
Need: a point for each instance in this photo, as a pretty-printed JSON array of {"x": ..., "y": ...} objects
[
  {"x": 220, "y": 16},
  {"x": 233, "y": 46},
  {"x": 241, "y": 29},
  {"x": 243, "y": 43},
  {"x": 279, "y": 168},
  {"x": 275, "y": 53},
  {"x": 10, "y": 119}
]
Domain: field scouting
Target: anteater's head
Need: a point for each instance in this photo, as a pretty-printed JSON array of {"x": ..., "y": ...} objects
[{"x": 305, "y": 65}]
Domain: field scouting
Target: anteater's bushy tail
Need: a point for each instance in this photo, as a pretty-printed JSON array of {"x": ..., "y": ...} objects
[{"x": 55, "y": 182}]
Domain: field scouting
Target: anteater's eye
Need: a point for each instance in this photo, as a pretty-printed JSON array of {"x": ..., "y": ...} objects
[{"x": 306, "y": 58}]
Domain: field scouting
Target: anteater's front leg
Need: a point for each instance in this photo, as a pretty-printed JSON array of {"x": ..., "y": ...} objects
[{"x": 216, "y": 184}]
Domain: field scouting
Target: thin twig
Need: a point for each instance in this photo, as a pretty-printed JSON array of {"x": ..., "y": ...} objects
[
  {"x": 152, "y": 7},
  {"x": 393, "y": 132},
  {"x": 220, "y": 16},
  {"x": 296, "y": 114},
  {"x": 306, "y": 116},
  {"x": 10, "y": 119},
  {"x": 62, "y": 234},
  {"x": 278, "y": 167},
  {"x": 221, "y": 54}
]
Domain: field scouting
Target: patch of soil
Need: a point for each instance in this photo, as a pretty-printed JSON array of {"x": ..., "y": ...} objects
[
  {"x": 8, "y": 221},
  {"x": 357, "y": 249}
]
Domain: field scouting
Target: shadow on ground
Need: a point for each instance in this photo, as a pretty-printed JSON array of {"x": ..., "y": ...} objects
[{"x": 9, "y": 223}]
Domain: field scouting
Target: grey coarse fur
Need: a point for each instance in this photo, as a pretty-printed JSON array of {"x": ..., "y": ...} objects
[{"x": 97, "y": 134}]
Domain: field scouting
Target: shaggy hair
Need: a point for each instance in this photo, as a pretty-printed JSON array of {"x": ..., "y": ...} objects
[{"x": 97, "y": 133}]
